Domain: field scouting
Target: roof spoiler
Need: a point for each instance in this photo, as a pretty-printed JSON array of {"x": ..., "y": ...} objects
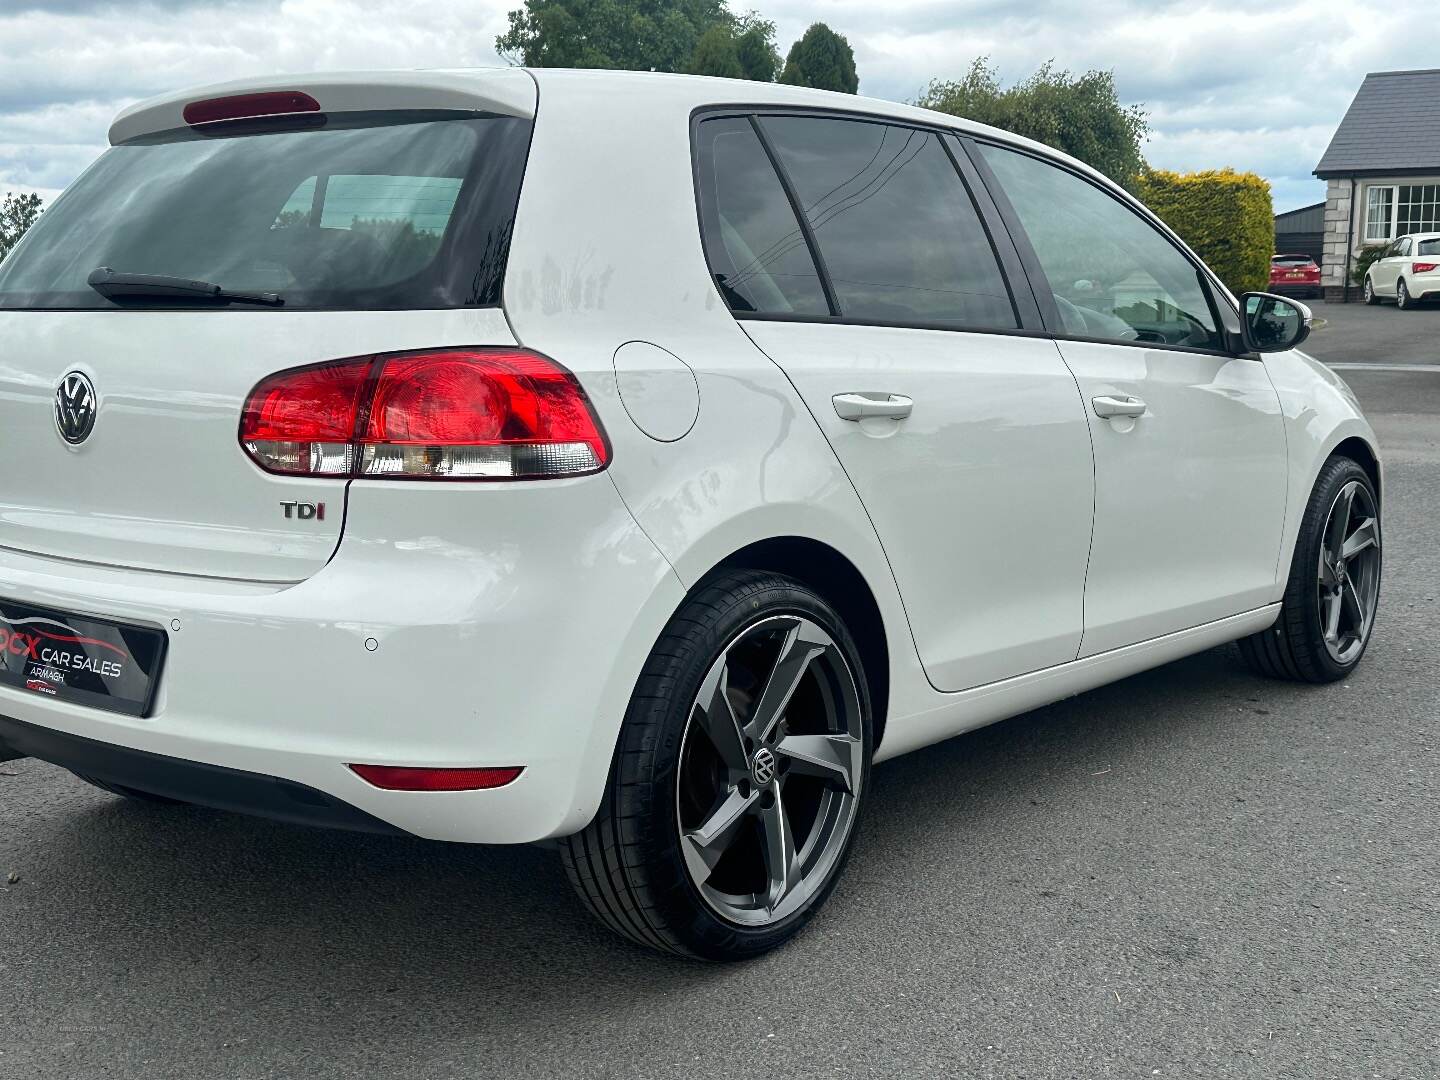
[{"x": 504, "y": 91}]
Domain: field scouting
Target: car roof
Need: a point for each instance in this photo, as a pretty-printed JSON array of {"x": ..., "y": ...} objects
[{"x": 511, "y": 91}]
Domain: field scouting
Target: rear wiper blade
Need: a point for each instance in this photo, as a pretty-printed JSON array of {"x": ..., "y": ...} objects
[{"x": 112, "y": 285}]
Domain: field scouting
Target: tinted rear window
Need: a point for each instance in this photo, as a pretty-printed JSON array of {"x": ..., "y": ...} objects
[
  {"x": 366, "y": 211},
  {"x": 1428, "y": 247},
  {"x": 895, "y": 226}
]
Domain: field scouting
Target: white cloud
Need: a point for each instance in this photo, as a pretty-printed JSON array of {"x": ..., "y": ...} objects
[{"x": 1226, "y": 83}]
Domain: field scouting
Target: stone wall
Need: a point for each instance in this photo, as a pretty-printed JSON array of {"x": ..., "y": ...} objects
[{"x": 1337, "y": 227}]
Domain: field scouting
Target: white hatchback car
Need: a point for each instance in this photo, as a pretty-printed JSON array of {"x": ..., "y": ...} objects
[
  {"x": 1408, "y": 271},
  {"x": 627, "y": 462}
]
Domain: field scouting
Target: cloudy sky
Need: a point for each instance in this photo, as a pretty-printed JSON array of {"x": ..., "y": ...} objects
[{"x": 1258, "y": 86}]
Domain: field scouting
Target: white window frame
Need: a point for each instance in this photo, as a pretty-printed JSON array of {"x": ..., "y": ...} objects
[
  {"x": 1389, "y": 234},
  {"x": 1392, "y": 226}
]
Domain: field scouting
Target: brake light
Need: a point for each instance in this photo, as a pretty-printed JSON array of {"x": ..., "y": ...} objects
[
  {"x": 406, "y": 778},
  {"x": 1425, "y": 268},
  {"x": 451, "y": 414},
  {"x": 249, "y": 106}
]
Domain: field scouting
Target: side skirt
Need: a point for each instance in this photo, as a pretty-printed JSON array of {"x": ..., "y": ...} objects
[{"x": 969, "y": 709}]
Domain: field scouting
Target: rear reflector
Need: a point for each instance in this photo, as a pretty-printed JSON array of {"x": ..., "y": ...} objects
[
  {"x": 451, "y": 414},
  {"x": 406, "y": 778},
  {"x": 248, "y": 106},
  {"x": 1425, "y": 268}
]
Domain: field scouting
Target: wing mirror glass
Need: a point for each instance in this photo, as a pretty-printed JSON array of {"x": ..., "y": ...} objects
[{"x": 1273, "y": 323}]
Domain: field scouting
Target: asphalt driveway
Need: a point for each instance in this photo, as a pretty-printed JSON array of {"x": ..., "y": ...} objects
[{"x": 1192, "y": 873}]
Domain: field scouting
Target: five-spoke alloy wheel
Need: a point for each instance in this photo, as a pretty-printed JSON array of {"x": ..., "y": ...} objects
[
  {"x": 1349, "y": 576},
  {"x": 740, "y": 775},
  {"x": 1333, "y": 590},
  {"x": 770, "y": 770}
]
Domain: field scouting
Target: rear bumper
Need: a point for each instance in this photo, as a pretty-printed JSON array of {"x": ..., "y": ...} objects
[
  {"x": 188, "y": 781},
  {"x": 495, "y": 627}
]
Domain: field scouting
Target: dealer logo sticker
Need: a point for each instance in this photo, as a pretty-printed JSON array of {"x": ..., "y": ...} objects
[{"x": 75, "y": 407}]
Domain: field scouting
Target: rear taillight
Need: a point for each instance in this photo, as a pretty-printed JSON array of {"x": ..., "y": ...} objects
[
  {"x": 451, "y": 414},
  {"x": 1425, "y": 268}
]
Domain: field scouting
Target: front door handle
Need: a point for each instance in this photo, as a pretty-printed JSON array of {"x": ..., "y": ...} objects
[
  {"x": 863, "y": 406},
  {"x": 1109, "y": 407}
]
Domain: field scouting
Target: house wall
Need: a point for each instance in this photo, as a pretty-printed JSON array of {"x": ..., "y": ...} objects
[{"x": 1342, "y": 234}]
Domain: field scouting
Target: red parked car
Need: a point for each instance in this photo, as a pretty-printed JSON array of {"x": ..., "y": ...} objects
[{"x": 1294, "y": 275}]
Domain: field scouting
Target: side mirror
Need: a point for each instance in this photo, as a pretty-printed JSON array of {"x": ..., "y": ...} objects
[{"x": 1273, "y": 323}]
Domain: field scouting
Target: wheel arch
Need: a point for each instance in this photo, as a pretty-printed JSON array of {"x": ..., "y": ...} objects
[
  {"x": 832, "y": 575},
  {"x": 1363, "y": 454}
]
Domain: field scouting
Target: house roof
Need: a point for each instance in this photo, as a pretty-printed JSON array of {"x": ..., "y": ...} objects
[{"x": 1393, "y": 126}]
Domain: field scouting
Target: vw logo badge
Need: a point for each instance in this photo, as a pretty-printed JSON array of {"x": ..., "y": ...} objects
[
  {"x": 75, "y": 407},
  {"x": 763, "y": 767}
]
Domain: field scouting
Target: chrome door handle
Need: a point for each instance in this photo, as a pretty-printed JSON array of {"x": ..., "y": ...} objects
[
  {"x": 862, "y": 406},
  {"x": 1109, "y": 407}
]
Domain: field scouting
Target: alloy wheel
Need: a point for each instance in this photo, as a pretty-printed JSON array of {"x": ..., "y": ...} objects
[
  {"x": 770, "y": 770},
  {"x": 1402, "y": 296},
  {"x": 1369, "y": 296},
  {"x": 1349, "y": 572}
]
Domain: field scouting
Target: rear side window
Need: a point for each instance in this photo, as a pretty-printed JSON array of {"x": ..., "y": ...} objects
[
  {"x": 756, "y": 249},
  {"x": 897, "y": 231},
  {"x": 364, "y": 211}
]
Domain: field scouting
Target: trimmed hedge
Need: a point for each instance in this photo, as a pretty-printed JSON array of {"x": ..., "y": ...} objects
[{"x": 1224, "y": 215}]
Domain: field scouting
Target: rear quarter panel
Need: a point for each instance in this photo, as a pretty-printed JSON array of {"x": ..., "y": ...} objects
[{"x": 607, "y": 251}]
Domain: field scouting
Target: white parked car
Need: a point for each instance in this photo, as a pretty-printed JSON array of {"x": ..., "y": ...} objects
[
  {"x": 1408, "y": 272},
  {"x": 629, "y": 462}
]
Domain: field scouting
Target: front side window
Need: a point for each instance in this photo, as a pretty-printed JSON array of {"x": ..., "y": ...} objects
[
  {"x": 1379, "y": 214},
  {"x": 896, "y": 229},
  {"x": 364, "y": 211},
  {"x": 1114, "y": 276}
]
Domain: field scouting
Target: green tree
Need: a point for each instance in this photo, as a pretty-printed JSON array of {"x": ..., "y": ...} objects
[
  {"x": 755, "y": 44},
  {"x": 638, "y": 35},
  {"x": 821, "y": 59},
  {"x": 1079, "y": 114},
  {"x": 717, "y": 54},
  {"x": 17, "y": 214}
]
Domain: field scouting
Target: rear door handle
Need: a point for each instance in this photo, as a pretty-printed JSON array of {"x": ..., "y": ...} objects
[
  {"x": 862, "y": 406},
  {"x": 1108, "y": 407}
]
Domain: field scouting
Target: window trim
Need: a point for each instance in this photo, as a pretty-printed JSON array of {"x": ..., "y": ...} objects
[{"x": 990, "y": 223}]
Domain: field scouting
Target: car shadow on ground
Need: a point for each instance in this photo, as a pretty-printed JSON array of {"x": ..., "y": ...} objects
[{"x": 357, "y": 927}]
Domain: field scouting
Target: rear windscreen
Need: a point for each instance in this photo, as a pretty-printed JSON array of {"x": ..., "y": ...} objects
[
  {"x": 1428, "y": 247},
  {"x": 355, "y": 211}
]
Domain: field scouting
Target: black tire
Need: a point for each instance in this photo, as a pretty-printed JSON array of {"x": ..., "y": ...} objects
[
  {"x": 1295, "y": 647},
  {"x": 1403, "y": 300},
  {"x": 628, "y": 865},
  {"x": 1367, "y": 293},
  {"x": 127, "y": 793}
]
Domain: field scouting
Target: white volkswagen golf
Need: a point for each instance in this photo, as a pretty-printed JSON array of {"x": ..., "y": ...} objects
[{"x": 628, "y": 462}]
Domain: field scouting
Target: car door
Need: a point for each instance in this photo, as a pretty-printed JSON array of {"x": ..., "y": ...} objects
[
  {"x": 1190, "y": 452},
  {"x": 886, "y": 306},
  {"x": 1388, "y": 266}
]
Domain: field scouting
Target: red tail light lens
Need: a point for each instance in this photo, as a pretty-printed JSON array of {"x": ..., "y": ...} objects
[
  {"x": 248, "y": 106},
  {"x": 471, "y": 414},
  {"x": 406, "y": 778},
  {"x": 1425, "y": 268}
]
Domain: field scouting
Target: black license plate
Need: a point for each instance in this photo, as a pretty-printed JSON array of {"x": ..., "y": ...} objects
[{"x": 96, "y": 662}]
